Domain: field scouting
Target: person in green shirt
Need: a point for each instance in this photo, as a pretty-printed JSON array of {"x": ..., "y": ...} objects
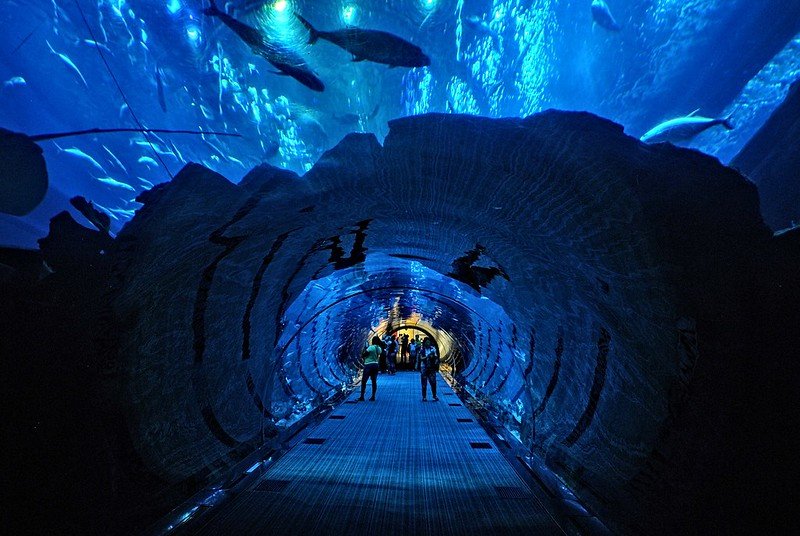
[{"x": 371, "y": 356}]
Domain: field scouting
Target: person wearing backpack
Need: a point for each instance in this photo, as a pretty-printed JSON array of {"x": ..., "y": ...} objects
[
  {"x": 371, "y": 356},
  {"x": 428, "y": 367}
]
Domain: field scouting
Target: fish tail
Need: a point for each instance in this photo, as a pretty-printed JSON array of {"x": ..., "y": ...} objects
[
  {"x": 314, "y": 34},
  {"x": 727, "y": 123}
]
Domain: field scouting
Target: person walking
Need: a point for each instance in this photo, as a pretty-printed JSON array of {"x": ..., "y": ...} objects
[
  {"x": 371, "y": 356},
  {"x": 428, "y": 359}
]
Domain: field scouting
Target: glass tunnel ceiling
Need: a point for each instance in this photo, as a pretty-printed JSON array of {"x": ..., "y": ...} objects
[
  {"x": 489, "y": 57},
  {"x": 332, "y": 319}
]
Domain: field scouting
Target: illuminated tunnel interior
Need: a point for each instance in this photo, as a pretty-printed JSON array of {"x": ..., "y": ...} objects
[{"x": 607, "y": 303}]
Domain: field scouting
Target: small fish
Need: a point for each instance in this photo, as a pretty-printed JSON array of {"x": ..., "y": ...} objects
[
  {"x": 114, "y": 158},
  {"x": 602, "y": 16},
  {"x": 69, "y": 63},
  {"x": 145, "y": 182},
  {"x": 116, "y": 184},
  {"x": 123, "y": 110},
  {"x": 93, "y": 43},
  {"x": 74, "y": 151},
  {"x": 285, "y": 60},
  {"x": 160, "y": 89},
  {"x": 146, "y": 160},
  {"x": 683, "y": 129},
  {"x": 371, "y": 45},
  {"x": 16, "y": 81}
]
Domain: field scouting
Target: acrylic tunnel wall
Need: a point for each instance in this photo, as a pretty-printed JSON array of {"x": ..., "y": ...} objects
[{"x": 590, "y": 289}]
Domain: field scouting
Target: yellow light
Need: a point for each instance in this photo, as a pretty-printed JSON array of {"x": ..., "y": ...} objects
[{"x": 280, "y": 6}]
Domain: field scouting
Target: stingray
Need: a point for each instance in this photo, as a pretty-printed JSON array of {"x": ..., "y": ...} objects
[{"x": 23, "y": 171}]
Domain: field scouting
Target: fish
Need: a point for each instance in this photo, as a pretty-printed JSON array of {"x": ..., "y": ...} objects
[
  {"x": 371, "y": 45},
  {"x": 114, "y": 158},
  {"x": 160, "y": 89},
  {"x": 602, "y": 16},
  {"x": 683, "y": 128},
  {"x": 69, "y": 63},
  {"x": 14, "y": 81},
  {"x": 287, "y": 62},
  {"x": 74, "y": 151},
  {"x": 93, "y": 43},
  {"x": 116, "y": 184},
  {"x": 146, "y": 160}
]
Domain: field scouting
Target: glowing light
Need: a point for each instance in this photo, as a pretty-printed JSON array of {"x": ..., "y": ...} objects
[
  {"x": 193, "y": 34},
  {"x": 280, "y": 6},
  {"x": 173, "y": 6},
  {"x": 350, "y": 14},
  {"x": 428, "y": 5}
]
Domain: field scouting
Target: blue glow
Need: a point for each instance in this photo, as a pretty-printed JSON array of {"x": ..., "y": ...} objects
[
  {"x": 253, "y": 467},
  {"x": 350, "y": 14},
  {"x": 173, "y": 6},
  {"x": 194, "y": 35}
]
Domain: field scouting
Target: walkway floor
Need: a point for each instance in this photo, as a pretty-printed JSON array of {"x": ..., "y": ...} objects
[{"x": 393, "y": 466}]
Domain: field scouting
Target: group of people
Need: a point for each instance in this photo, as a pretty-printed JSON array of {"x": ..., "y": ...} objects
[{"x": 381, "y": 355}]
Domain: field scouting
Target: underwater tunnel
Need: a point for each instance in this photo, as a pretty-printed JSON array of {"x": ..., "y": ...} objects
[
  {"x": 610, "y": 280},
  {"x": 593, "y": 295}
]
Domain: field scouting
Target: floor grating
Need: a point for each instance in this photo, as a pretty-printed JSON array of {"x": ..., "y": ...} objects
[
  {"x": 272, "y": 485},
  {"x": 394, "y": 467},
  {"x": 512, "y": 492}
]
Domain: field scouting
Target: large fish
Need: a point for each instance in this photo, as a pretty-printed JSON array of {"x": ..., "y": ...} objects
[
  {"x": 286, "y": 61},
  {"x": 371, "y": 45},
  {"x": 683, "y": 128},
  {"x": 602, "y": 16}
]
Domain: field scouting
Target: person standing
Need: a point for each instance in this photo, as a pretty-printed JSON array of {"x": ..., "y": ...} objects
[
  {"x": 428, "y": 358},
  {"x": 391, "y": 352},
  {"x": 371, "y": 356}
]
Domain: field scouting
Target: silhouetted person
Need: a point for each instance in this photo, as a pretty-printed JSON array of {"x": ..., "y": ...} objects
[
  {"x": 391, "y": 355},
  {"x": 371, "y": 355},
  {"x": 428, "y": 358}
]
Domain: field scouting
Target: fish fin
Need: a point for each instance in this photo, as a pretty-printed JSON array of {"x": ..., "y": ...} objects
[
  {"x": 313, "y": 33},
  {"x": 727, "y": 123},
  {"x": 693, "y": 113}
]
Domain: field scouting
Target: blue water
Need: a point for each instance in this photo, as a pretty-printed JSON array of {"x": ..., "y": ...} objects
[{"x": 732, "y": 58}]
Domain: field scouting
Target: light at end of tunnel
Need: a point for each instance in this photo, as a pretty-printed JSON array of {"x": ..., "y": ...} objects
[{"x": 280, "y": 6}]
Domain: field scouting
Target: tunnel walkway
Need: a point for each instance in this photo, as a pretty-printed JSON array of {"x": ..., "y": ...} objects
[{"x": 393, "y": 466}]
